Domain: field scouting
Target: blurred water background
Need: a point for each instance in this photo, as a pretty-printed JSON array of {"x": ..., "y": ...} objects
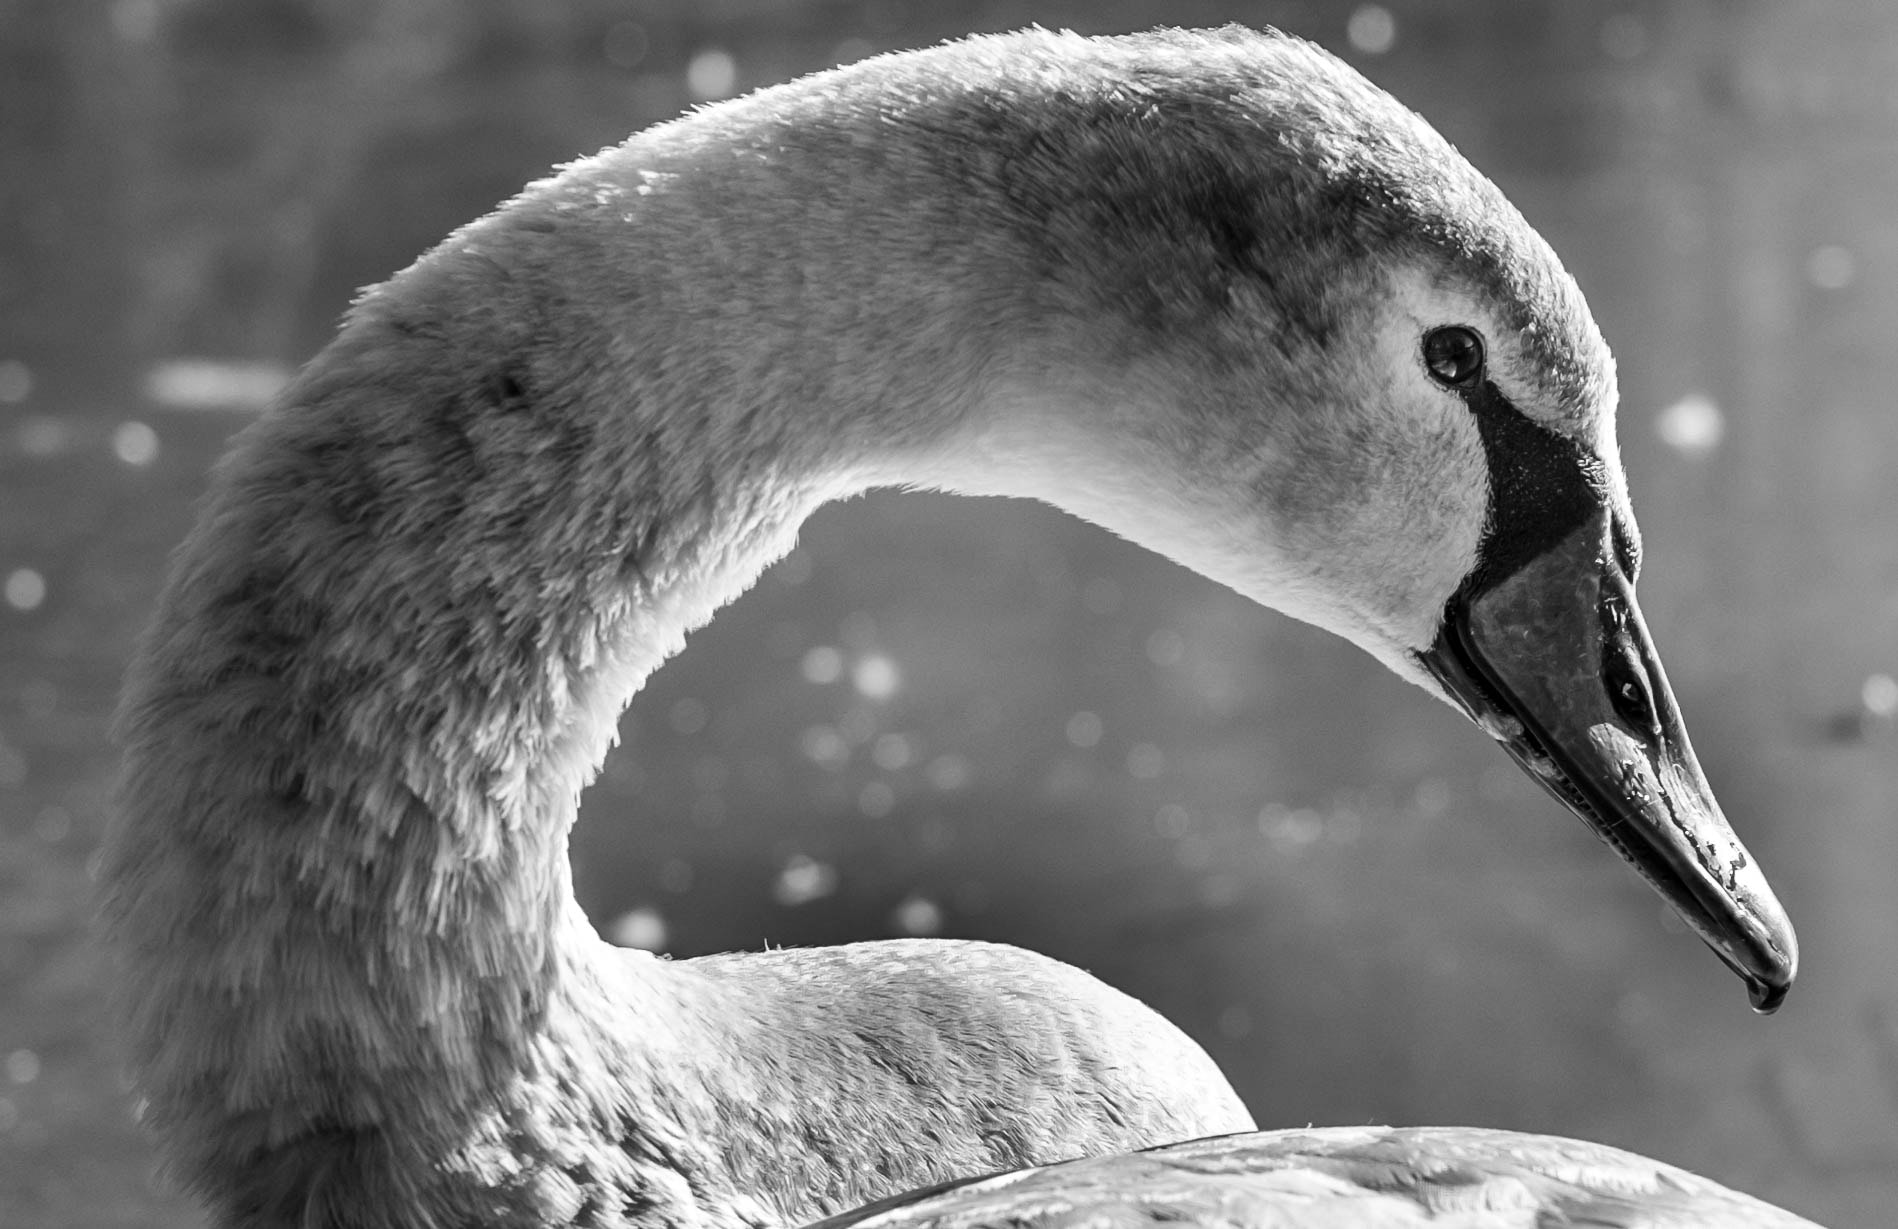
[{"x": 984, "y": 719}]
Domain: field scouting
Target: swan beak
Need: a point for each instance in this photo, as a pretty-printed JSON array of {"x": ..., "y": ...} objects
[{"x": 1555, "y": 663}]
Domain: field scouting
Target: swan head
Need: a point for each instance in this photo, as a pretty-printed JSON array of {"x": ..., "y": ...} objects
[{"x": 1298, "y": 343}]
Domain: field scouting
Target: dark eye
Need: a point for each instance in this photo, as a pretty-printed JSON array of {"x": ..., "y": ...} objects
[{"x": 1454, "y": 356}]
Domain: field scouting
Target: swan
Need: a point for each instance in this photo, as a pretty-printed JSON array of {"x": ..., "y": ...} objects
[{"x": 1211, "y": 290}]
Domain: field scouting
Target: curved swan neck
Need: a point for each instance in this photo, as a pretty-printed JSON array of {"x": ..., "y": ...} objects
[
  {"x": 425, "y": 583},
  {"x": 421, "y": 590}
]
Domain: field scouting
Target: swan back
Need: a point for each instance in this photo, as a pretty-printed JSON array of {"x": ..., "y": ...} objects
[{"x": 1331, "y": 1178}]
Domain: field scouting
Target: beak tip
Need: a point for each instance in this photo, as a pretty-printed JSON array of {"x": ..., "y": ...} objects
[{"x": 1767, "y": 997}]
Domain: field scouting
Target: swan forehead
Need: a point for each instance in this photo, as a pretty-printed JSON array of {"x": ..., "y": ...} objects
[{"x": 1181, "y": 176}]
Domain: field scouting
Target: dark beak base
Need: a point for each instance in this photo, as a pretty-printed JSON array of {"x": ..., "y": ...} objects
[{"x": 1555, "y": 663}]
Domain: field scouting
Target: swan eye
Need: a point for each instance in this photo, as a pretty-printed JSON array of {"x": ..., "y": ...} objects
[{"x": 1454, "y": 355}]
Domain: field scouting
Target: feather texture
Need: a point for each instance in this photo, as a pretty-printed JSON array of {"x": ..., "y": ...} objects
[
  {"x": 1173, "y": 282},
  {"x": 1355, "y": 1177}
]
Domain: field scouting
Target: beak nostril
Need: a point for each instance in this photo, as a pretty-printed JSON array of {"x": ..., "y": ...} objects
[{"x": 1628, "y": 688}]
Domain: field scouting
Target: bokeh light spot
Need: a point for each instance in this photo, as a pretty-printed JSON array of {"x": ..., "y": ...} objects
[
  {"x": 711, "y": 74},
  {"x": 1085, "y": 729},
  {"x": 892, "y": 752},
  {"x": 42, "y": 435},
  {"x": 822, "y": 664},
  {"x": 803, "y": 879},
  {"x": 1692, "y": 426},
  {"x": 1166, "y": 647},
  {"x": 1145, "y": 761},
  {"x": 1371, "y": 29},
  {"x": 23, "y": 1067},
  {"x": 625, "y": 44},
  {"x": 949, "y": 772},
  {"x": 1879, "y": 695},
  {"x": 1831, "y": 267},
  {"x": 25, "y": 589},
  {"x": 16, "y": 381},
  {"x": 825, "y": 746},
  {"x": 135, "y": 443},
  {"x": 917, "y": 915},
  {"x": 643, "y": 928},
  {"x": 876, "y": 676}
]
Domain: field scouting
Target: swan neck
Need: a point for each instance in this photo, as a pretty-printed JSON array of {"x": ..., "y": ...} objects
[{"x": 393, "y": 652}]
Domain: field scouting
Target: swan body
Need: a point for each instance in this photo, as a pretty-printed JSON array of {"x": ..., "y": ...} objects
[
  {"x": 1213, "y": 291},
  {"x": 1332, "y": 1178}
]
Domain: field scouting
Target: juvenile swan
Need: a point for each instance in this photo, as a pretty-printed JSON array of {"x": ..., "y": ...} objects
[{"x": 1210, "y": 290}]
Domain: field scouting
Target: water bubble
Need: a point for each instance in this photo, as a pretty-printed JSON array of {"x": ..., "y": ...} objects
[
  {"x": 1173, "y": 821},
  {"x": 851, "y": 50},
  {"x": 676, "y": 876},
  {"x": 1235, "y": 1022}
]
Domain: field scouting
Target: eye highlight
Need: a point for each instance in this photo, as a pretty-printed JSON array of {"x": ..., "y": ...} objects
[{"x": 1453, "y": 355}]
